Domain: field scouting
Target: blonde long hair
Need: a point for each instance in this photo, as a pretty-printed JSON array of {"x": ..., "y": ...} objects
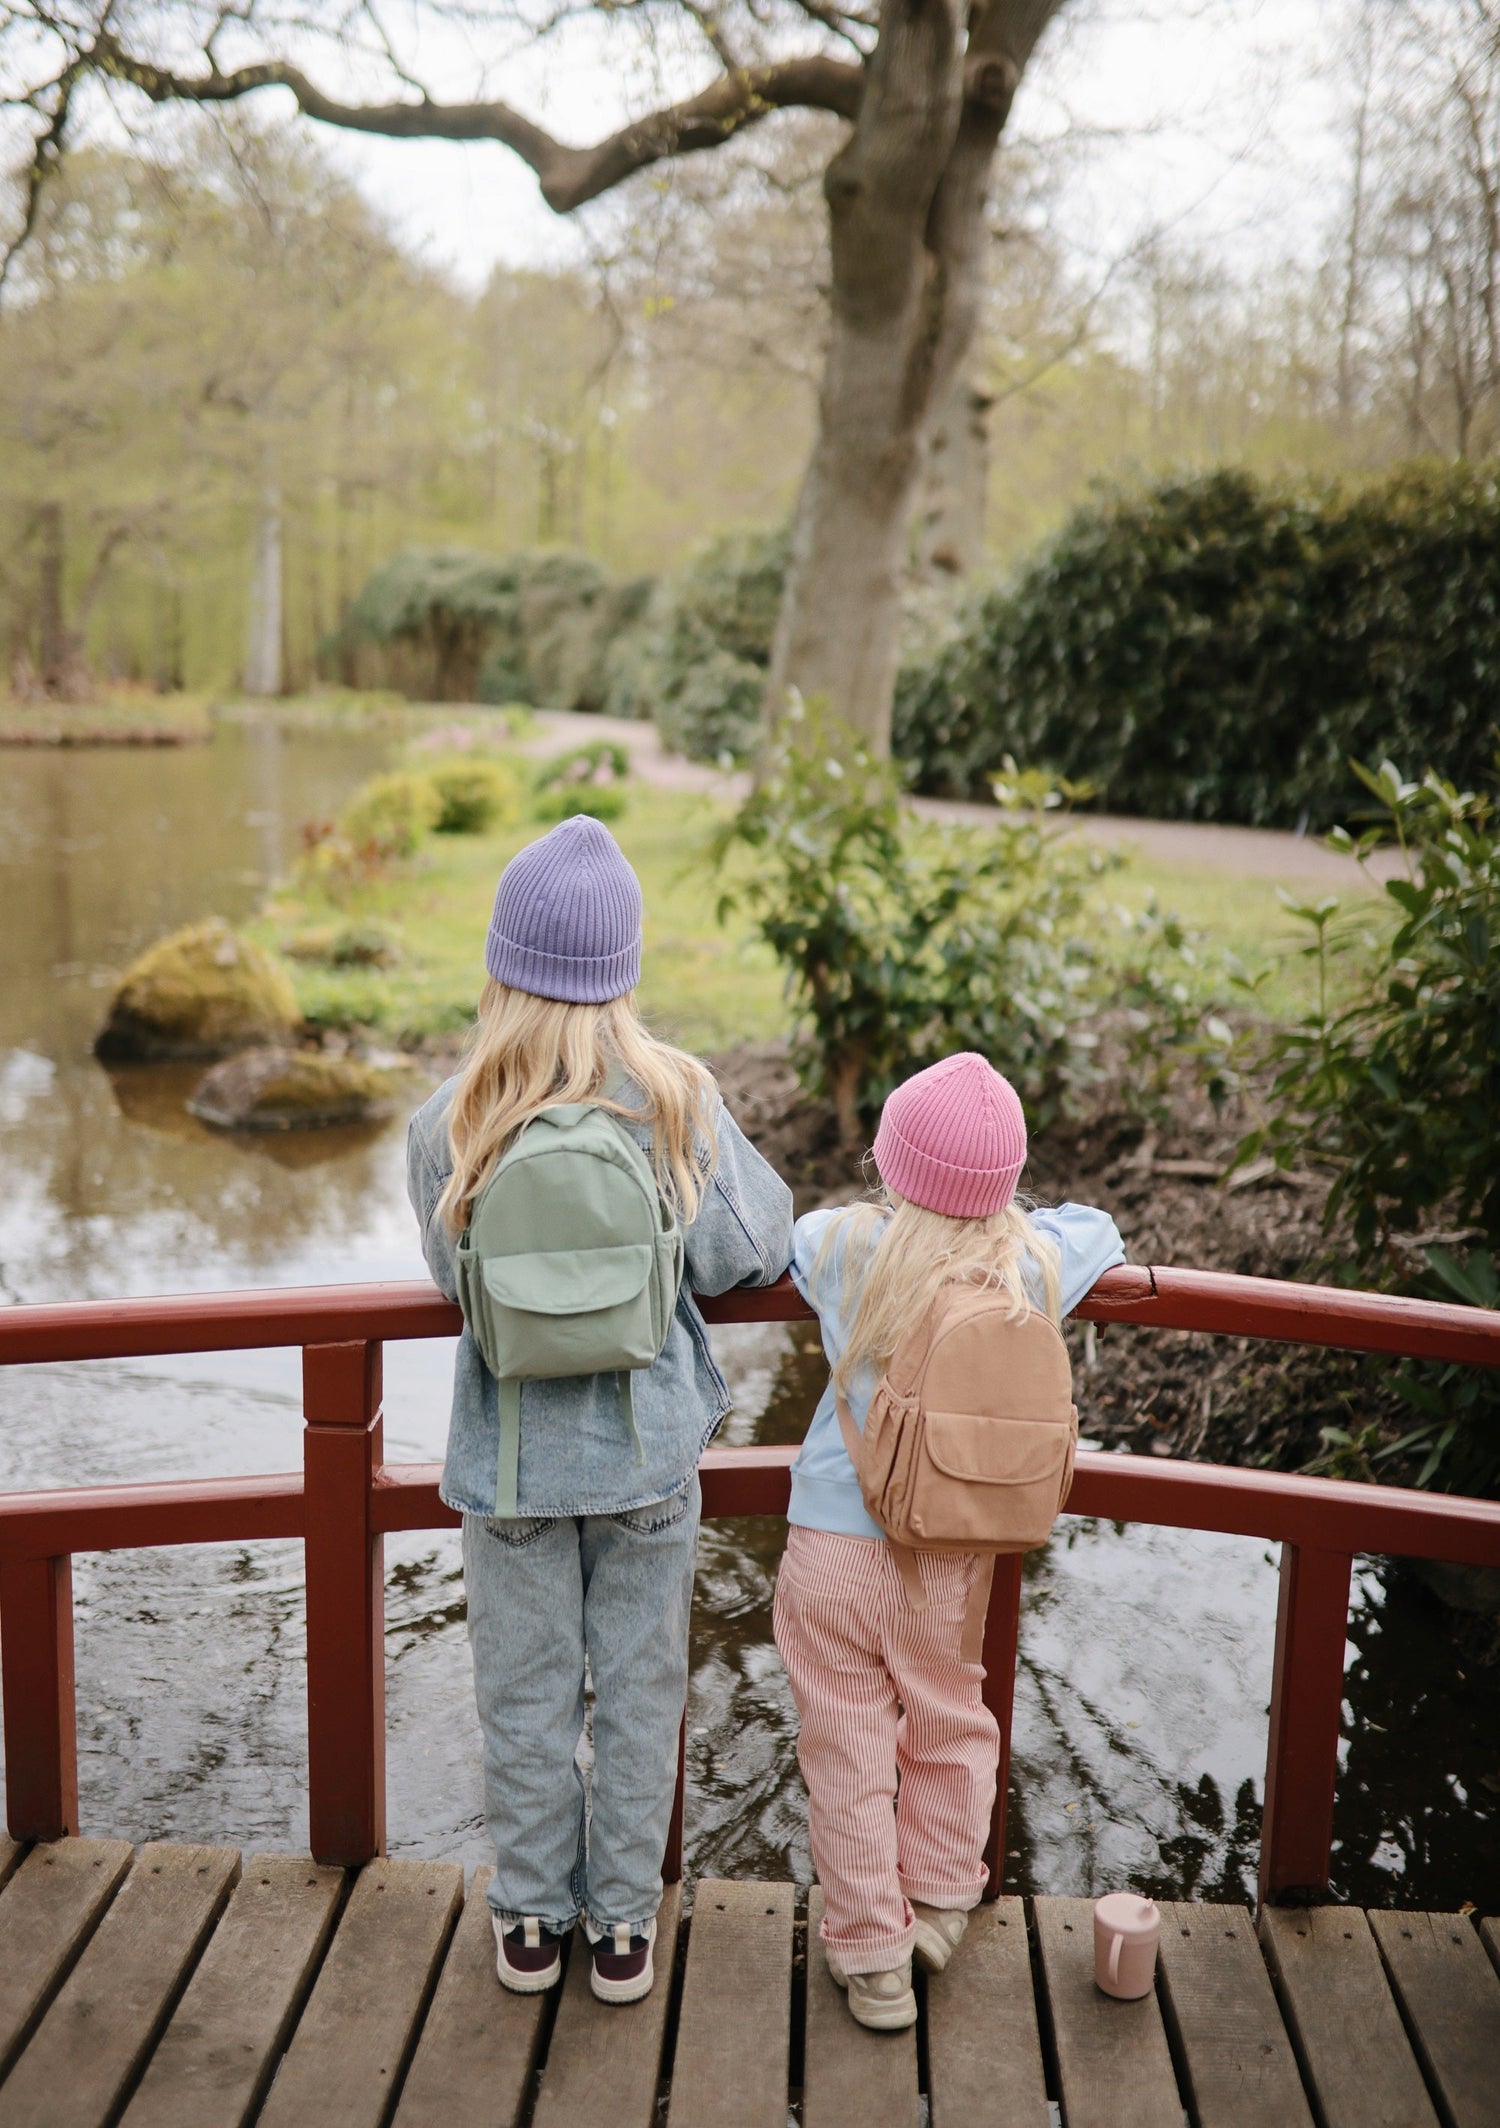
[
  {"x": 897, "y": 1256},
  {"x": 529, "y": 1053}
]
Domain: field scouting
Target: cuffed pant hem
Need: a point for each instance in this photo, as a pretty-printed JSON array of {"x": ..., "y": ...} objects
[
  {"x": 550, "y": 1922},
  {"x": 596, "y": 1930},
  {"x": 871, "y": 1957},
  {"x": 951, "y": 1898}
]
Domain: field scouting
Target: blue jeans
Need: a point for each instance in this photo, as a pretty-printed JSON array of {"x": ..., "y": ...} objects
[{"x": 544, "y": 1595}]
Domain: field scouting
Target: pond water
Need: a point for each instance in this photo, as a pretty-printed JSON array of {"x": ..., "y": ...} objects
[{"x": 1146, "y": 1654}]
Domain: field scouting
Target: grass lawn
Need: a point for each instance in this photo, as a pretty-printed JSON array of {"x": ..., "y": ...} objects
[
  {"x": 702, "y": 985},
  {"x": 1245, "y": 920}
]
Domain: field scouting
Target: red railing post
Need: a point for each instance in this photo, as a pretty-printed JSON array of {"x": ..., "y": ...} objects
[
  {"x": 1307, "y": 1697},
  {"x": 345, "y": 1603},
  {"x": 36, "y": 1666},
  {"x": 1002, "y": 1627}
]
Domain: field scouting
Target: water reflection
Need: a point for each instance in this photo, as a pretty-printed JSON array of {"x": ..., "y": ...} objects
[{"x": 1145, "y": 1654}]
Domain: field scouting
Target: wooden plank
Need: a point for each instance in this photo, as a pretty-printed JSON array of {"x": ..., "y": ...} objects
[
  {"x": 1451, "y": 1996},
  {"x": 734, "y": 2030},
  {"x": 604, "y": 2061},
  {"x": 218, "y": 2054},
  {"x": 479, "y": 2043},
  {"x": 11, "y": 1852},
  {"x": 851, "y": 2078},
  {"x": 984, "y": 2054},
  {"x": 50, "y": 1909},
  {"x": 345, "y": 2063},
  {"x": 1489, "y": 1936},
  {"x": 1113, "y": 2063},
  {"x": 1232, "y": 2048},
  {"x": 99, "y": 2031},
  {"x": 1356, "y": 2060}
]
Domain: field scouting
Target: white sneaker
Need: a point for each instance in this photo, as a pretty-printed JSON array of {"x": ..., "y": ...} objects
[
  {"x": 884, "y": 2001},
  {"x": 940, "y": 1931},
  {"x": 622, "y": 1964},
  {"x": 528, "y": 1957}
]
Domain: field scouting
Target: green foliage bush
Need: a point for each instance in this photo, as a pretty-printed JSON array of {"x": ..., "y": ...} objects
[
  {"x": 698, "y": 666},
  {"x": 1398, "y": 1096},
  {"x": 902, "y": 943},
  {"x": 586, "y": 780},
  {"x": 473, "y": 796},
  {"x": 387, "y": 817},
  {"x": 1221, "y": 649},
  {"x": 451, "y": 624}
]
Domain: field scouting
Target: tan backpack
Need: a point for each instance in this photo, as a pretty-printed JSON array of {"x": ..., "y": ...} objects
[{"x": 970, "y": 1438}]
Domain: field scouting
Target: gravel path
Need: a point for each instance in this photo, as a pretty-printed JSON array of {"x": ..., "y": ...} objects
[{"x": 1247, "y": 853}]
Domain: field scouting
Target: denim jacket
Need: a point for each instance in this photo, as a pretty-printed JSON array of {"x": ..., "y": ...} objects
[{"x": 576, "y": 1452}]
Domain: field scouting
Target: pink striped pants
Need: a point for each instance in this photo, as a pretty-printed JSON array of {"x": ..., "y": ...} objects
[{"x": 898, "y": 1750}]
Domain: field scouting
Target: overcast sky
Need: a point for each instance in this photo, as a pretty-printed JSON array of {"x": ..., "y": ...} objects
[{"x": 1216, "y": 118}]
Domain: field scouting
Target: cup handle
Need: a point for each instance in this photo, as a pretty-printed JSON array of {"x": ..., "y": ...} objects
[{"x": 1116, "y": 1944}]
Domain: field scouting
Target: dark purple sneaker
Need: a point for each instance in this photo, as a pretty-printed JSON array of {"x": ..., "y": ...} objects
[
  {"x": 528, "y": 1957},
  {"x": 622, "y": 1965}
]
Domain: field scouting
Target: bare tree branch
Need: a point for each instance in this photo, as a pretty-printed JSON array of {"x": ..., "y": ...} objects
[{"x": 569, "y": 176}]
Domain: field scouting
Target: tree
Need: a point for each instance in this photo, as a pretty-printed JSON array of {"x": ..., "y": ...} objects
[
  {"x": 923, "y": 89},
  {"x": 215, "y": 357}
]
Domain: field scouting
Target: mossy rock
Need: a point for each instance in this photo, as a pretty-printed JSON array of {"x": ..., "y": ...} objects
[
  {"x": 291, "y": 1089},
  {"x": 203, "y": 992}
]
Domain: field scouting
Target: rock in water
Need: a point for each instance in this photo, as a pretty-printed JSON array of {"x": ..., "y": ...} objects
[
  {"x": 290, "y": 1089},
  {"x": 203, "y": 992}
]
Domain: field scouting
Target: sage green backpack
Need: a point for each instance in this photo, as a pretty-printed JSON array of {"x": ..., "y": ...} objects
[{"x": 570, "y": 1264}]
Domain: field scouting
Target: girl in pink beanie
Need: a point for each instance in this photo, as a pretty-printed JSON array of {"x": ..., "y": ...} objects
[{"x": 897, "y": 1748}]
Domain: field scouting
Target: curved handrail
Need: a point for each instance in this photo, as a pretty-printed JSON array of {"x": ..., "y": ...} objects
[{"x": 1161, "y": 1297}]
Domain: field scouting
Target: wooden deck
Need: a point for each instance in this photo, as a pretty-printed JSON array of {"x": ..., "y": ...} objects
[{"x": 179, "y": 1987}]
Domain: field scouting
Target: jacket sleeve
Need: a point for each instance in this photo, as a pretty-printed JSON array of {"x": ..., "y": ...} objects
[
  {"x": 424, "y": 1186},
  {"x": 742, "y": 1235},
  {"x": 1088, "y": 1243}
]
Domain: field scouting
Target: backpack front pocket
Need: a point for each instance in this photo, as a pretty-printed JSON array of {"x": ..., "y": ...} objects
[
  {"x": 996, "y": 1483},
  {"x": 574, "y": 1311}
]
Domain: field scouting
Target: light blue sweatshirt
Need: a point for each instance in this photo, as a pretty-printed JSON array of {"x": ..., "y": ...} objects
[{"x": 825, "y": 1491}]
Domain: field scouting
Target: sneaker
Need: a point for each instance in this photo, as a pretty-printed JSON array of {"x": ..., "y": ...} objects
[
  {"x": 622, "y": 1964},
  {"x": 883, "y": 2001},
  {"x": 940, "y": 1931},
  {"x": 528, "y": 1957}
]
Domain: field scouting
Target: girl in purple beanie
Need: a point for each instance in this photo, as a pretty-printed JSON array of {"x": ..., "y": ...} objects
[
  {"x": 897, "y": 1748},
  {"x": 587, "y": 1560}
]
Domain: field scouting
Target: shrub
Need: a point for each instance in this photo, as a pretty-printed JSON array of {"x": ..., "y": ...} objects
[
  {"x": 1220, "y": 649},
  {"x": 452, "y": 624},
  {"x": 698, "y": 666},
  {"x": 586, "y": 780},
  {"x": 903, "y": 943},
  {"x": 386, "y": 819},
  {"x": 472, "y": 796},
  {"x": 1398, "y": 1096}
]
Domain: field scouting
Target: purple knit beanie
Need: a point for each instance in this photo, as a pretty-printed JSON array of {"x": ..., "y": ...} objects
[
  {"x": 953, "y": 1139},
  {"x": 567, "y": 921}
]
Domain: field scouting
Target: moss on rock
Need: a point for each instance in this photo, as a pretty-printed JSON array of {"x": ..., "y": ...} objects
[
  {"x": 202, "y": 992},
  {"x": 291, "y": 1089}
]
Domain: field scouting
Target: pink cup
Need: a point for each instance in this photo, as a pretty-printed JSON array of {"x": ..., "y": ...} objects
[{"x": 1127, "y": 1930}]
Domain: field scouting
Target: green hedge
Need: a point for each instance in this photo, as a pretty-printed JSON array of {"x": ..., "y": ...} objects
[
  {"x": 697, "y": 667},
  {"x": 449, "y": 624},
  {"x": 1220, "y": 649}
]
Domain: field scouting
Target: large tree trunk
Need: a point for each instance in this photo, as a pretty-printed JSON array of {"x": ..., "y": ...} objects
[
  {"x": 906, "y": 199},
  {"x": 955, "y": 485}
]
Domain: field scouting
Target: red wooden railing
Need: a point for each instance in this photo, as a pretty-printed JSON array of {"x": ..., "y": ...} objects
[{"x": 346, "y": 1499}]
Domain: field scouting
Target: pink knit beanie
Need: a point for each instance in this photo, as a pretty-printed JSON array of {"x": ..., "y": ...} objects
[{"x": 953, "y": 1139}]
